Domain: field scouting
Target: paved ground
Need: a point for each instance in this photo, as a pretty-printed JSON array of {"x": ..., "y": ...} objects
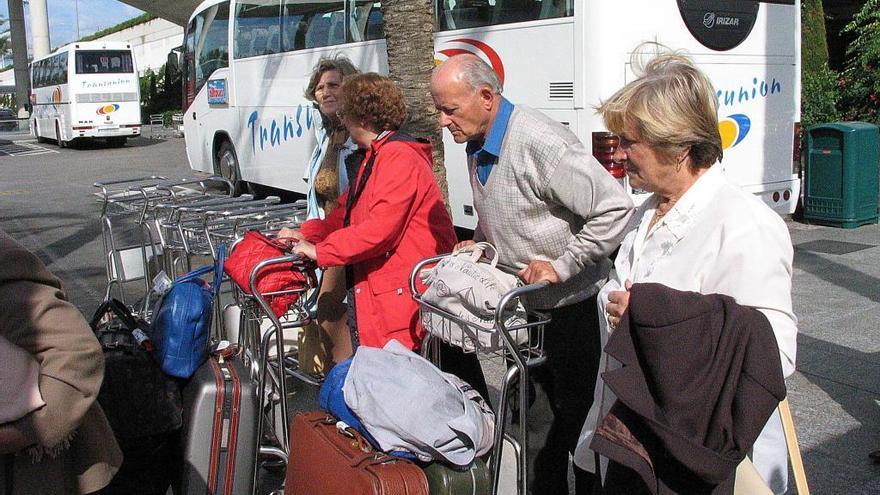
[{"x": 46, "y": 203}]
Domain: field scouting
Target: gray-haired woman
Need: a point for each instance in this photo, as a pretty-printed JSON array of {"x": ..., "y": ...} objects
[
  {"x": 697, "y": 232},
  {"x": 327, "y": 178}
]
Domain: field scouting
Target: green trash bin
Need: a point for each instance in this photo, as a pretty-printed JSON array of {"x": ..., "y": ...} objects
[{"x": 841, "y": 174}]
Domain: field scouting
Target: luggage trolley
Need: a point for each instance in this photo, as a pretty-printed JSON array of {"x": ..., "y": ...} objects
[
  {"x": 123, "y": 204},
  {"x": 129, "y": 236},
  {"x": 181, "y": 231},
  {"x": 261, "y": 334},
  {"x": 521, "y": 345},
  {"x": 285, "y": 364}
]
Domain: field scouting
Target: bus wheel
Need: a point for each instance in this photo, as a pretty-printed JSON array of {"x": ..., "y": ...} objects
[
  {"x": 61, "y": 143},
  {"x": 226, "y": 166}
]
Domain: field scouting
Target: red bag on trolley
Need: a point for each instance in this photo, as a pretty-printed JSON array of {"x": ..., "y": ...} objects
[{"x": 251, "y": 250}]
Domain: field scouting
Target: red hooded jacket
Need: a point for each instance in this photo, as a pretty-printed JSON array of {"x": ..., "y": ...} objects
[{"x": 398, "y": 220}]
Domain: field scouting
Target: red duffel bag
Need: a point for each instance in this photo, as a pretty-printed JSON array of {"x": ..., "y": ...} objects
[{"x": 251, "y": 250}]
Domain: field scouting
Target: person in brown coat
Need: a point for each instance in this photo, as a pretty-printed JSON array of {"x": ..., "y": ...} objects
[{"x": 66, "y": 446}]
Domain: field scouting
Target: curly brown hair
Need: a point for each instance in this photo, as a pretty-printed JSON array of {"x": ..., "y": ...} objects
[{"x": 374, "y": 100}]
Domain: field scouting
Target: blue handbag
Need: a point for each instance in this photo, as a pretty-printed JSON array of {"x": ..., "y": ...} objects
[{"x": 182, "y": 320}]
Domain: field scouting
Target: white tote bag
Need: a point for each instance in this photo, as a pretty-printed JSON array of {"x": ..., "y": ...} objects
[{"x": 470, "y": 287}]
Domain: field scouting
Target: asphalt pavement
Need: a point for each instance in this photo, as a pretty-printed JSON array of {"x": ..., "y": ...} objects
[{"x": 47, "y": 203}]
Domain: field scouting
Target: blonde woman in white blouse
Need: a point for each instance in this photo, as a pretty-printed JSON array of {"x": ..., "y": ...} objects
[{"x": 696, "y": 232}]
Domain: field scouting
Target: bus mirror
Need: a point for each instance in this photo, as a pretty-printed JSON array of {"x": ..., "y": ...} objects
[{"x": 173, "y": 60}]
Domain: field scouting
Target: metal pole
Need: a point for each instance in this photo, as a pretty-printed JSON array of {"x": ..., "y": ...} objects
[
  {"x": 40, "y": 28},
  {"x": 18, "y": 38},
  {"x": 76, "y": 12}
]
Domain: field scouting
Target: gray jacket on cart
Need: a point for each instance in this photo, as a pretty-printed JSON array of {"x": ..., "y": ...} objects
[{"x": 407, "y": 403}]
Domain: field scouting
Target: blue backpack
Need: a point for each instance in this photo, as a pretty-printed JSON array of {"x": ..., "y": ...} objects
[{"x": 182, "y": 320}]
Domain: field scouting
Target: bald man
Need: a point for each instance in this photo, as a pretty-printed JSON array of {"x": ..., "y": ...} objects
[{"x": 555, "y": 215}]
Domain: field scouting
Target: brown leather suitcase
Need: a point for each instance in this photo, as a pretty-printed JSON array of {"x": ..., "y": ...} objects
[{"x": 326, "y": 460}]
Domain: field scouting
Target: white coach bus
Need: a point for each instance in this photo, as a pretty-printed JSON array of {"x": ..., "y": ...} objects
[
  {"x": 86, "y": 90},
  {"x": 246, "y": 63}
]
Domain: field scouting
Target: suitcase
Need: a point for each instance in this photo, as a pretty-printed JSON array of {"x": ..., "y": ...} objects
[
  {"x": 220, "y": 429},
  {"x": 445, "y": 480},
  {"x": 329, "y": 460}
]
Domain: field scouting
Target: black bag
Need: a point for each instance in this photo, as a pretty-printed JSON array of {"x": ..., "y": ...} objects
[{"x": 138, "y": 399}]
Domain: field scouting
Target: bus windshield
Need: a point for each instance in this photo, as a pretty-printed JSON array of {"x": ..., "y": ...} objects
[{"x": 104, "y": 62}]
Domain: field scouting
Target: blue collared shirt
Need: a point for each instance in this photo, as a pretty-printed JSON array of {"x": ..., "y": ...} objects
[{"x": 486, "y": 156}]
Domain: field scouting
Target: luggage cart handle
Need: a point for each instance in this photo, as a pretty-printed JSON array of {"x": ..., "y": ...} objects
[
  {"x": 104, "y": 183},
  {"x": 203, "y": 181},
  {"x": 297, "y": 262}
]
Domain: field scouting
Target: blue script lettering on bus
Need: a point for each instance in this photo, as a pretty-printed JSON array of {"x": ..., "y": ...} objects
[
  {"x": 274, "y": 132},
  {"x": 758, "y": 89}
]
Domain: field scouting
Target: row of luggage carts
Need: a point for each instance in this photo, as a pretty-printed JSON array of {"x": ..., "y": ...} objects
[{"x": 153, "y": 225}]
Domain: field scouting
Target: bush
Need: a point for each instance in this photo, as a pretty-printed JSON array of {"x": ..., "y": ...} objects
[
  {"x": 168, "y": 117},
  {"x": 160, "y": 93},
  {"x": 814, "y": 52},
  {"x": 860, "y": 80},
  {"x": 820, "y": 96}
]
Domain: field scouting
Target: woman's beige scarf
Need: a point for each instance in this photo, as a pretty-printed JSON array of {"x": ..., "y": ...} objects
[{"x": 327, "y": 178}]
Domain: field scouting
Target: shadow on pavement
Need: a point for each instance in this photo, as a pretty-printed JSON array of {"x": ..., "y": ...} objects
[
  {"x": 837, "y": 273},
  {"x": 99, "y": 144}
]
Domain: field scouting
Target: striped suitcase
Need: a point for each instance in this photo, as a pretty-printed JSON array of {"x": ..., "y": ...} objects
[{"x": 220, "y": 429}]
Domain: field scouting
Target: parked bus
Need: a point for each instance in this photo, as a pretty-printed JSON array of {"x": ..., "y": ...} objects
[
  {"x": 86, "y": 90},
  {"x": 246, "y": 63}
]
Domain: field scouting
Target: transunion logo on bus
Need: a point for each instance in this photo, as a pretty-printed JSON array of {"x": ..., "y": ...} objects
[
  {"x": 107, "y": 109},
  {"x": 477, "y": 48},
  {"x": 733, "y": 129},
  {"x": 277, "y": 131}
]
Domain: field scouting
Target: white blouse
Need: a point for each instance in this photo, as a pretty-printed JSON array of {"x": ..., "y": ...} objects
[{"x": 717, "y": 239}]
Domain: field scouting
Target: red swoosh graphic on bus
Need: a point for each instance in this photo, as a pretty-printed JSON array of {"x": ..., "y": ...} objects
[{"x": 490, "y": 53}]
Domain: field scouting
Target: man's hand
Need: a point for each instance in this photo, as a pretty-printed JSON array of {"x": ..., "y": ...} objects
[
  {"x": 618, "y": 301},
  {"x": 461, "y": 245},
  {"x": 306, "y": 249},
  {"x": 539, "y": 271},
  {"x": 288, "y": 233}
]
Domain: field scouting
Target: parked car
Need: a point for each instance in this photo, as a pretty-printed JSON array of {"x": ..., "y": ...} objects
[{"x": 8, "y": 120}]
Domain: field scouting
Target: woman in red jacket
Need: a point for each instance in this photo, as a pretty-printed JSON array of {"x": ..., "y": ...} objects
[{"x": 392, "y": 216}]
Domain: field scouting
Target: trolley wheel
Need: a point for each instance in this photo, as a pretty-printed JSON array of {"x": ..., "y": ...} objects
[
  {"x": 226, "y": 166},
  {"x": 61, "y": 143}
]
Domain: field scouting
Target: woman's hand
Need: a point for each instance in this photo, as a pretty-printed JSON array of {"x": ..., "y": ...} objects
[
  {"x": 289, "y": 233},
  {"x": 461, "y": 245},
  {"x": 618, "y": 301},
  {"x": 306, "y": 249}
]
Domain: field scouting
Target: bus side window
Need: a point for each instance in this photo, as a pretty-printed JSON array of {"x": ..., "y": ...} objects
[
  {"x": 38, "y": 74},
  {"x": 64, "y": 68},
  {"x": 262, "y": 19},
  {"x": 313, "y": 23},
  {"x": 319, "y": 32},
  {"x": 461, "y": 14},
  {"x": 293, "y": 30},
  {"x": 366, "y": 22}
]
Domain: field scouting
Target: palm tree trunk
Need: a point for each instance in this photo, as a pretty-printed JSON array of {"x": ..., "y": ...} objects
[{"x": 409, "y": 34}]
